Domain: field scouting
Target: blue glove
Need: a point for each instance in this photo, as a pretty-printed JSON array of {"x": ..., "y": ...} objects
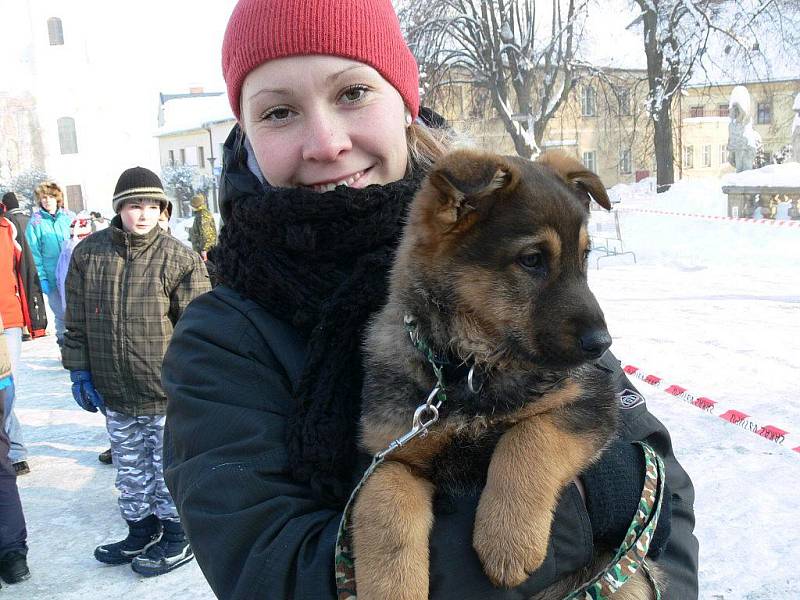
[
  {"x": 45, "y": 286},
  {"x": 84, "y": 393}
]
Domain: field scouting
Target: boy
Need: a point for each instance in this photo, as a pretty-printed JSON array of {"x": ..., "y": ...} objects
[{"x": 126, "y": 287}]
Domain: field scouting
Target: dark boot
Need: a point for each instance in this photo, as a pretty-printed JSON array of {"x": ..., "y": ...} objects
[
  {"x": 14, "y": 567},
  {"x": 171, "y": 551},
  {"x": 22, "y": 468},
  {"x": 105, "y": 457},
  {"x": 141, "y": 536}
]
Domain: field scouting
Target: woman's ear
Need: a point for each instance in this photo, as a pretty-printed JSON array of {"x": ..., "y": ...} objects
[{"x": 409, "y": 120}]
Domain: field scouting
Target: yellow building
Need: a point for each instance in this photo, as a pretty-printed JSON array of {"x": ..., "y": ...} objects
[
  {"x": 702, "y": 127},
  {"x": 604, "y": 124}
]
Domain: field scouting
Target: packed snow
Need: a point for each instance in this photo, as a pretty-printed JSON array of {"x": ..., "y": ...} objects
[{"x": 710, "y": 305}]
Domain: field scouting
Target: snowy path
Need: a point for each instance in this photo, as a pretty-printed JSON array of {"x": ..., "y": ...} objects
[
  {"x": 717, "y": 311},
  {"x": 69, "y": 498}
]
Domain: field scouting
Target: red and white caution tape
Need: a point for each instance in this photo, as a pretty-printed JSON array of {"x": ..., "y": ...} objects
[
  {"x": 774, "y": 222},
  {"x": 731, "y": 415}
]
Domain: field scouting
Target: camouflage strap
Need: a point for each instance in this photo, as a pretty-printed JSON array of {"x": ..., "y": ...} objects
[
  {"x": 630, "y": 556},
  {"x": 343, "y": 561},
  {"x": 633, "y": 552}
]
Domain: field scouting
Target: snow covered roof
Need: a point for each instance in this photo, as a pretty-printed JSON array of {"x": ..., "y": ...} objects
[
  {"x": 778, "y": 176},
  {"x": 187, "y": 114}
]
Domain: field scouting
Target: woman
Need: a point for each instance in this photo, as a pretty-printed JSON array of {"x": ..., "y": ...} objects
[
  {"x": 264, "y": 373},
  {"x": 46, "y": 232}
]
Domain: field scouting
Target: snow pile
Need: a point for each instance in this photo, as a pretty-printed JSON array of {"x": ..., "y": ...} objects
[
  {"x": 784, "y": 175},
  {"x": 701, "y": 196}
]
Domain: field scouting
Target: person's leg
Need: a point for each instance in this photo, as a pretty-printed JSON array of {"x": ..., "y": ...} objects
[
  {"x": 173, "y": 549},
  {"x": 17, "y": 452},
  {"x": 163, "y": 504},
  {"x": 13, "y": 534},
  {"x": 54, "y": 300},
  {"x": 129, "y": 452},
  {"x": 128, "y": 449}
]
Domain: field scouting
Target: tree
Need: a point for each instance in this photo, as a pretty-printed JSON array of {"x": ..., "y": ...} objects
[
  {"x": 23, "y": 185},
  {"x": 677, "y": 35},
  {"x": 522, "y": 56},
  {"x": 182, "y": 182}
]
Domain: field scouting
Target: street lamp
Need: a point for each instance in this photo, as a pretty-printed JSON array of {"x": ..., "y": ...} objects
[{"x": 211, "y": 159}]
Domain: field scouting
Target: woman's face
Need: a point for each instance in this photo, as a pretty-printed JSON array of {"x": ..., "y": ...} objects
[
  {"x": 320, "y": 121},
  {"x": 49, "y": 203}
]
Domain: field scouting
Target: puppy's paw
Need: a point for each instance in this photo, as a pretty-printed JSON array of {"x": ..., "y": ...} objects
[{"x": 509, "y": 552}]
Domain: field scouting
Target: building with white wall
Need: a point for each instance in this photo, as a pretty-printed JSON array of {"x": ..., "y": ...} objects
[
  {"x": 80, "y": 81},
  {"x": 192, "y": 132}
]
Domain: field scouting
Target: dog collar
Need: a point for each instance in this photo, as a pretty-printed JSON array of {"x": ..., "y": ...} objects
[{"x": 448, "y": 369}]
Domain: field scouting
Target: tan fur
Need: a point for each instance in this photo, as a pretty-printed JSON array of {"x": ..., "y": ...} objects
[
  {"x": 392, "y": 520},
  {"x": 575, "y": 174},
  {"x": 584, "y": 241},
  {"x": 493, "y": 320},
  {"x": 530, "y": 466}
]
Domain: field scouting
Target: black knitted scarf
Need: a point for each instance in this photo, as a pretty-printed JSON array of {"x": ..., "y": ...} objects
[{"x": 319, "y": 262}]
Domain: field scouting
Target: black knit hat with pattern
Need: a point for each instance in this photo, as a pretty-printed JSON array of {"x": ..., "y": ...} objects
[
  {"x": 138, "y": 183},
  {"x": 10, "y": 200}
]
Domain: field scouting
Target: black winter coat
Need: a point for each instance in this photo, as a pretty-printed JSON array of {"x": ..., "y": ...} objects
[
  {"x": 29, "y": 275},
  {"x": 258, "y": 533}
]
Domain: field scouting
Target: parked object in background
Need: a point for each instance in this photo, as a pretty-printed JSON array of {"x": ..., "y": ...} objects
[{"x": 606, "y": 235}]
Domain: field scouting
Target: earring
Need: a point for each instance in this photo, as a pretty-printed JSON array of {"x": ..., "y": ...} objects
[{"x": 408, "y": 119}]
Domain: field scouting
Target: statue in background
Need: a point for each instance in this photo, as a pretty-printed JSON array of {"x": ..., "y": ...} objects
[
  {"x": 743, "y": 140},
  {"x": 796, "y": 129}
]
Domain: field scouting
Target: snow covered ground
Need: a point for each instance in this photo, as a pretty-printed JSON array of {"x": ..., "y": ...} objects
[{"x": 713, "y": 306}]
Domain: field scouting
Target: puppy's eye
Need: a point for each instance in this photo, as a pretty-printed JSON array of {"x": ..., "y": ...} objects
[{"x": 534, "y": 262}]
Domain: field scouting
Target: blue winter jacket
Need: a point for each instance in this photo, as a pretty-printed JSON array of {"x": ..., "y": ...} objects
[{"x": 46, "y": 234}]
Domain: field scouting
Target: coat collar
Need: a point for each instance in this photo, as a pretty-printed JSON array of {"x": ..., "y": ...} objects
[{"x": 126, "y": 239}]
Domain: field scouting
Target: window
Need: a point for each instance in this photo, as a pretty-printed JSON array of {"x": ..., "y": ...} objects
[
  {"x": 67, "y": 138},
  {"x": 688, "y": 157},
  {"x": 588, "y": 103},
  {"x": 707, "y": 155},
  {"x": 764, "y": 115},
  {"x": 625, "y": 162},
  {"x": 696, "y": 111},
  {"x": 182, "y": 155},
  {"x": 590, "y": 160},
  {"x": 201, "y": 156},
  {"x": 55, "y": 31},
  {"x": 723, "y": 154},
  {"x": 723, "y": 110},
  {"x": 172, "y": 158},
  {"x": 75, "y": 198},
  {"x": 624, "y": 99}
]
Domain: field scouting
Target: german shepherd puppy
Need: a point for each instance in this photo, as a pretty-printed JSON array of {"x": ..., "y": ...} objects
[{"x": 492, "y": 267}]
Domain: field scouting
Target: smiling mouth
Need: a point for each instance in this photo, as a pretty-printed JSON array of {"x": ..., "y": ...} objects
[{"x": 348, "y": 182}]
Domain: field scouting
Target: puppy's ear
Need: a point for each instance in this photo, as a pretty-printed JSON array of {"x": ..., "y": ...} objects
[
  {"x": 464, "y": 183},
  {"x": 572, "y": 171}
]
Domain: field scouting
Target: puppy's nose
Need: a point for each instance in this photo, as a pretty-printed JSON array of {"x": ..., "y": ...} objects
[{"x": 595, "y": 342}]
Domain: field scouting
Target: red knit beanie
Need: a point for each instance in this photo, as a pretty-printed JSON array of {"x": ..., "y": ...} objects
[{"x": 367, "y": 31}]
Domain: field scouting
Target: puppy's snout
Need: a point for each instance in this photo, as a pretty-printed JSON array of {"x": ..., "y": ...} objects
[{"x": 594, "y": 343}]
